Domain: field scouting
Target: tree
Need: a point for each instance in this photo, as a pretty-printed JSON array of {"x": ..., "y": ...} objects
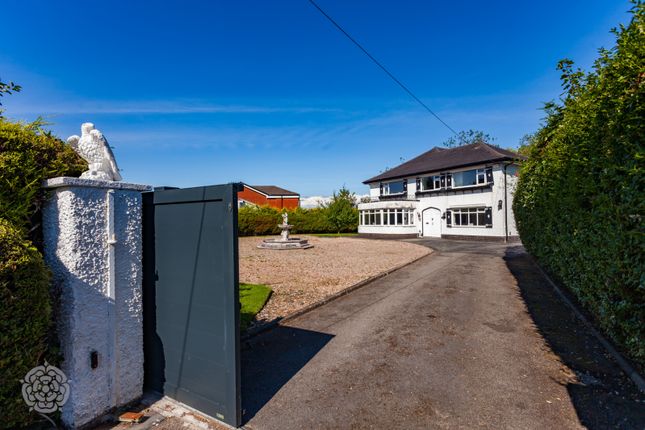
[
  {"x": 467, "y": 137},
  {"x": 525, "y": 143},
  {"x": 8, "y": 88},
  {"x": 342, "y": 212}
]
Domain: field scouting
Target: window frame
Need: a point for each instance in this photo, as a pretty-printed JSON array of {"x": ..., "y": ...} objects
[
  {"x": 479, "y": 213},
  {"x": 436, "y": 183},
  {"x": 386, "y": 188},
  {"x": 480, "y": 171},
  {"x": 403, "y": 217}
]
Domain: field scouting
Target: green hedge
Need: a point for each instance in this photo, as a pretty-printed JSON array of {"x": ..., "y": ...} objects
[
  {"x": 580, "y": 201},
  {"x": 28, "y": 155},
  {"x": 264, "y": 220},
  {"x": 24, "y": 320}
]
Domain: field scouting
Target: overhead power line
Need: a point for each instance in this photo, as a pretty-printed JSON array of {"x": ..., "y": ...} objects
[{"x": 378, "y": 63}]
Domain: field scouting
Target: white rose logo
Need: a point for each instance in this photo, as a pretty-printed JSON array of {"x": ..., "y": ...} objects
[{"x": 45, "y": 388}]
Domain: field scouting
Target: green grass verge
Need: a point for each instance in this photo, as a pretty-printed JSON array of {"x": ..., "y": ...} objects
[
  {"x": 252, "y": 300},
  {"x": 332, "y": 234}
]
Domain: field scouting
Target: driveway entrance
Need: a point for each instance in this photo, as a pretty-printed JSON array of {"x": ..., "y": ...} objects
[
  {"x": 431, "y": 222},
  {"x": 468, "y": 337}
]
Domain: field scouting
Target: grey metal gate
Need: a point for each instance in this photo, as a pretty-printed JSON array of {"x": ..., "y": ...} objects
[{"x": 191, "y": 298}]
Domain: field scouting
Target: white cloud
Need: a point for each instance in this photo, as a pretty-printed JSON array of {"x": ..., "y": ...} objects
[{"x": 314, "y": 201}]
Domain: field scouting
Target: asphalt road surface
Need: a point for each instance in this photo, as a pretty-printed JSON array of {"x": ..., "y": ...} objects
[{"x": 469, "y": 337}]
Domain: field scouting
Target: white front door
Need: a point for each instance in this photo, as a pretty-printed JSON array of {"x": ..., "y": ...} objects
[{"x": 431, "y": 222}]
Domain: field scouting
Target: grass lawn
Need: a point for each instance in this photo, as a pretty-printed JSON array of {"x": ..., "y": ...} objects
[
  {"x": 333, "y": 234},
  {"x": 252, "y": 298}
]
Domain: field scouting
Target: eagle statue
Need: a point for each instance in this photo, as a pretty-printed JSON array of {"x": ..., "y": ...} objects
[{"x": 93, "y": 148}]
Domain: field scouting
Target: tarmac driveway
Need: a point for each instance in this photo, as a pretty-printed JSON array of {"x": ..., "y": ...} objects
[{"x": 469, "y": 337}]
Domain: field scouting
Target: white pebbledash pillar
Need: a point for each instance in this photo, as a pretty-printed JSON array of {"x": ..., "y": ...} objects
[{"x": 92, "y": 232}]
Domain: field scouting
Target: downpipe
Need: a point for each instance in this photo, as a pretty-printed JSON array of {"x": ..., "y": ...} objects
[{"x": 111, "y": 294}]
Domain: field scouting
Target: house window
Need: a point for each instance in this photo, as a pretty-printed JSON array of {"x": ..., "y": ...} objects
[
  {"x": 387, "y": 217},
  {"x": 429, "y": 183},
  {"x": 469, "y": 217},
  {"x": 393, "y": 188},
  {"x": 469, "y": 178}
]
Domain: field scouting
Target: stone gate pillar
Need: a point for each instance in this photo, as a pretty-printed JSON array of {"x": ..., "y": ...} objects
[{"x": 92, "y": 232}]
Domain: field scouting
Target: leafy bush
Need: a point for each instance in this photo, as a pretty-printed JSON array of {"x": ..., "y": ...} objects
[
  {"x": 29, "y": 155},
  {"x": 258, "y": 220},
  {"x": 314, "y": 220},
  {"x": 580, "y": 203},
  {"x": 24, "y": 319},
  {"x": 264, "y": 220}
]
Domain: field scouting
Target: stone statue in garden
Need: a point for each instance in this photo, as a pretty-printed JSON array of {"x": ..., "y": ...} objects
[{"x": 94, "y": 149}]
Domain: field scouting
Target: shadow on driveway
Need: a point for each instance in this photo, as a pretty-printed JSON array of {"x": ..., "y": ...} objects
[
  {"x": 271, "y": 360},
  {"x": 603, "y": 396}
]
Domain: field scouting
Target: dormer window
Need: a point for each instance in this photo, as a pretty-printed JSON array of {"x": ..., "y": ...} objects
[
  {"x": 395, "y": 187},
  {"x": 429, "y": 183},
  {"x": 469, "y": 178}
]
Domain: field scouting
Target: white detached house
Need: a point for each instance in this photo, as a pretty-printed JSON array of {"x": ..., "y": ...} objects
[{"x": 463, "y": 192}]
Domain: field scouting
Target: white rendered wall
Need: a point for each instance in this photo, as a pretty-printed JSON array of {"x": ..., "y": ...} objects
[{"x": 100, "y": 287}]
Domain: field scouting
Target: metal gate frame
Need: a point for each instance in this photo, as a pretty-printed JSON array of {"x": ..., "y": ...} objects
[{"x": 179, "y": 361}]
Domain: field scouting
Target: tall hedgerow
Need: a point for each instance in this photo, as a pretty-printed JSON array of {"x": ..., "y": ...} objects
[
  {"x": 580, "y": 200},
  {"x": 258, "y": 220},
  {"x": 338, "y": 216},
  {"x": 24, "y": 320},
  {"x": 28, "y": 155}
]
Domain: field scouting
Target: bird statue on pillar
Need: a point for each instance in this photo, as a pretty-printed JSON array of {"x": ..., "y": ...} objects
[{"x": 93, "y": 148}]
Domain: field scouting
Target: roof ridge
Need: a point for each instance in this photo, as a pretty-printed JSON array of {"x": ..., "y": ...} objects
[
  {"x": 492, "y": 148},
  {"x": 439, "y": 158}
]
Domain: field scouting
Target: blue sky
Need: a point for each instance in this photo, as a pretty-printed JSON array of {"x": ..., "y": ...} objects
[{"x": 268, "y": 92}]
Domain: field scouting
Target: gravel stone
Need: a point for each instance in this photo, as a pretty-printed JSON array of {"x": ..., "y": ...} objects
[{"x": 300, "y": 278}]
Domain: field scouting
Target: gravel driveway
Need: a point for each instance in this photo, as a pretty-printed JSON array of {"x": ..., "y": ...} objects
[
  {"x": 302, "y": 277},
  {"x": 471, "y": 336}
]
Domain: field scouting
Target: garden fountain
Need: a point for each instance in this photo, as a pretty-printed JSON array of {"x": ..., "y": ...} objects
[{"x": 285, "y": 242}]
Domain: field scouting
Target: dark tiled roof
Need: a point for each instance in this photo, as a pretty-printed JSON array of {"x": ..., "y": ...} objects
[
  {"x": 442, "y": 159},
  {"x": 272, "y": 190}
]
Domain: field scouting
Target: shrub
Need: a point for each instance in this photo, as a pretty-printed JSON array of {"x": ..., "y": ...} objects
[
  {"x": 29, "y": 155},
  {"x": 312, "y": 220},
  {"x": 24, "y": 319},
  {"x": 580, "y": 203},
  {"x": 258, "y": 220},
  {"x": 342, "y": 212},
  {"x": 264, "y": 220}
]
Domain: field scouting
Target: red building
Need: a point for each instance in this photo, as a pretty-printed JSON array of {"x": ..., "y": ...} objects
[{"x": 268, "y": 195}]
